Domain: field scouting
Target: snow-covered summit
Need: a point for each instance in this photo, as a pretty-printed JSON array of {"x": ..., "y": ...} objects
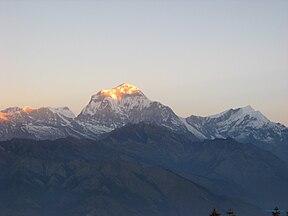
[
  {"x": 237, "y": 116},
  {"x": 116, "y": 107},
  {"x": 120, "y": 91},
  {"x": 38, "y": 123},
  {"x": 3, "y": 117},
  {"x": 11, "y": 110},
  {"x": 246, "y": 109},
  {"x": 120, "y": 99},
  {"x": 63, "y": 111},
  {"x": 244, "y": 124}
]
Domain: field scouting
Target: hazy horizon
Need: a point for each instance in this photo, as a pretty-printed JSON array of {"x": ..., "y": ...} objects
[{"x": 198, "y": 57}]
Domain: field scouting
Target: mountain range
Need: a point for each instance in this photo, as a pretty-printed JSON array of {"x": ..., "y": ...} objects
[
  {"x": 127, "y": 155},
  {"x": 114, "y": 108}
]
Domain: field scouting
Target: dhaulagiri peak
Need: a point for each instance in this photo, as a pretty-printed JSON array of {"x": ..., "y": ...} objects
[{"x": 120, "y": 91}]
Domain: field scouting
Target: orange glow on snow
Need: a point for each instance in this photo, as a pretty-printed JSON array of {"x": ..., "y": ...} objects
[
  {"x": 7, "y": 116},
  {"x": 27, "y": 109},
  {"x": 118, "y": 92},
  {"x": 3, "y": 117}
]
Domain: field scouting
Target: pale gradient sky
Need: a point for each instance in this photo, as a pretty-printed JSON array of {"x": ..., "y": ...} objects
[{"x": 198, "y": 57}]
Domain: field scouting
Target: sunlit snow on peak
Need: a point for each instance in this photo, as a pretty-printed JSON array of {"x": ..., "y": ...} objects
[
  {"x": 27, "y": 109},
  {"x": 120, "y": 91},
  {"x": 120, "y": 99},
  {"x": 3, "y": 117}
]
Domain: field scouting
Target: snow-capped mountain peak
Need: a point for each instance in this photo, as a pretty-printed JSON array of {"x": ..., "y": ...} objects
[
  {"x": 11, "y": 110},
  {"x": 116, "y": 107},
  {"x": 63, "y": 111},
  {"x": 3, "y": 117},
  {"x": 244, "y": 124},
  {"x": 120, "y": 99},
  {"x": 120, "y": 91},
  {"x": 237, "y": 116},
  {"x": 38, "y": 123},
  {"x": 246, "y": 109},
  {"x": 27, "y": 109},
  {"x": 16, "y": 114},
  {"x": 253, "y": 114}
]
